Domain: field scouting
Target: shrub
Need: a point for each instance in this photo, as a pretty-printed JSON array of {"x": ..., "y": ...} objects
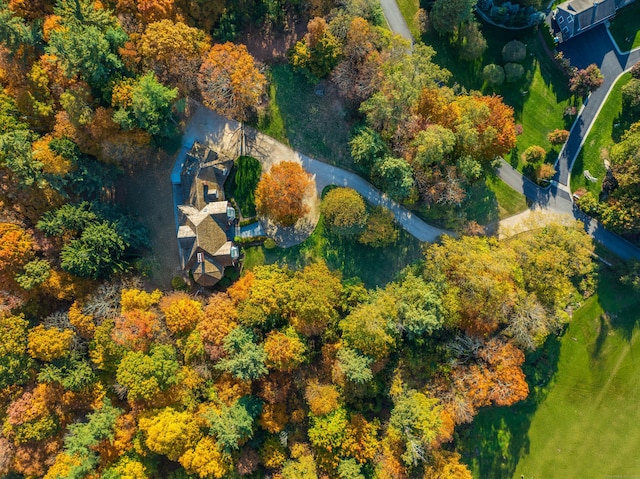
[
  {"x": 270, "y": 243},
  {"x": 344, "y": 211},
  {"x": 534, "y": 154},
  {"x": 635, "y": 70},
  {"x": 513, "y": 72},
  {"x": 179, "y": 284},
  {"x": 558, "y": 137},
  {"x": 514, "y": 51},
  {"x": 493, "y": 74},
  {"x": 545, "y": 171}
]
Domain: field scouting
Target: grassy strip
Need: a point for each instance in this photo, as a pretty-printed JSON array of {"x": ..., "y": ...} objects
[
  {"x": 510, "y": 202},
  {"x": 243, "y": 182},
  {"x": 603, "y": 134},
  {"x": 374, "y": 266},
  {"x": 626, "y": 25},
  {"x": 409, "y": 8},
  {"x": 581, "y": 419}
]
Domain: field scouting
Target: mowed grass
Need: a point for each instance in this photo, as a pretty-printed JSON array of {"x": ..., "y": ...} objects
[
  {"x": 312, "y": 124},
  {"x": 626, "y": 25},
  {"x": 374, "y": 266},
  {"x": 582, "y": 421},
  {"x": 510, "y": 202},
  {"x": 539, "y": 99},
  {"x": 601, "y": 137}
]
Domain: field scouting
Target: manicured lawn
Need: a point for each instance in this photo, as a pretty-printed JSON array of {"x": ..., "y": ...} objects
[
  {"x": 374, "y": 266},
  {"x": 626, "y": 24},
  {"x": 538, "y": 99},
  {"x": 242, "y": 184},
  {"x": 581, "y": 419},
  {"x": 602, "y": 135},
  {"x": 510, "y": 202},
  {"x": 312, "y": 124}
]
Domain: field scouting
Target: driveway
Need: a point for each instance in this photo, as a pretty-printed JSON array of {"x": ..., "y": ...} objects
[{"x": 396, "y": 21}]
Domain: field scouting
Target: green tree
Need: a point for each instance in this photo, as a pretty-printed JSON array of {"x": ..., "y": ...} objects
[
  {"x": 354, "y": 366},
  {"x": 245, "y": 359},
  {"x": 471, "y": 43},
  {"x": 344, "y": 211},
  {"x": 366, "y": 146},
  {"x": 381, "y": 230},
  {"x": 447, "y": 15},
  {"x": 34, "y": 274},
  {"x": 15, "y": 154},
  {"x": 68, "y": 218},
  {"x": 98, "y": 252},
  {"x": 433, "y": 145},
  {"x": 395, "y": 177},
  {"x": 14, "y": 31},
  {"x": 73, "y": 373},
  {"x": 145, "y": 375},
  {"x": 88, "y": 43},
  {"x": 149, "y": 106},
  {"x": 420, "y": 309},
  {"x": 416, "y": 418},
  {"x": 82, "y": 437},
  {"x": 233, "y": 426}
]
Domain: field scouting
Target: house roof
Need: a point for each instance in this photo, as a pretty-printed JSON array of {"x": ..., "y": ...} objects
[
  {"x": 589, "y": 12},
  {"x": 204, "y": 231}
]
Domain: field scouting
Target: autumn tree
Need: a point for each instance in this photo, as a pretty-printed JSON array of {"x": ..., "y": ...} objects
[
  {"x": 16, "y": 250},
  {"x": 344, "y": 211},
  {"x": 229, "y": 80},
  {"x": 318, "y": 52},
  {"x": 586, "y": 80},
  {"x": 170, "y": 432},
  {"x": 282, "y": 191},
  {"x": 285, "y": 350},
  {"x": 380, "y": 230},
  {"x": 181, "y": 313},
  {"x": 206, "y": 459},
  {"x": 557, "y": 137},
  {"x": 14, "y": 358},
  {"x": 49, "y": 344},
  {"x": 174, "y": 51},
  {"x": 312, "y": 299},
  {"x": 145, "y": 375}
]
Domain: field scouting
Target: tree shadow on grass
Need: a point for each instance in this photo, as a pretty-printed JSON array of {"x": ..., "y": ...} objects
[
  {"x": 498, "y": 437},
  {"x": 621, "y": 303}
]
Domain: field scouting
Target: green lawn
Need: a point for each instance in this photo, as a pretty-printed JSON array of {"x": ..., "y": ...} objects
[
  {"x": 374, "y": 266},
  {"x": 315, "y": 125},
  {"x": 626, "y": 24},
  {"x": 602, "y": 135},
  {"x": 581, "y": 419},
  {"x": 510, "y": 202},
  {"x": 538, "y": 99}
]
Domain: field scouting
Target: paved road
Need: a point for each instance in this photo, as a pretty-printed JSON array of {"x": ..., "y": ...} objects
[{"x": 396, "y": 21}]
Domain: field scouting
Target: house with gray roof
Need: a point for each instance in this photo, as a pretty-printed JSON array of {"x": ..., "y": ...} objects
[
  {"x": 206, "y": 222},
  {"x": 576, "y": 16}
]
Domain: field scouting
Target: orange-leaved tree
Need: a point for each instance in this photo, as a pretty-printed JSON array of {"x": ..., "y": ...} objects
[
  {"x": 229, "y": 80},
  {"x": 281, "y": 192}
]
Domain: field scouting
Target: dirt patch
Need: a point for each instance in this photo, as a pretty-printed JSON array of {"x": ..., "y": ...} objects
[
  {"x": 147, "y": 195},
  {"x": 272, "y": 46}
]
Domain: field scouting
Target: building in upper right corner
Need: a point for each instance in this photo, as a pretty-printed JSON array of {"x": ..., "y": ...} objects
[{"x": 573, "y": 17}]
